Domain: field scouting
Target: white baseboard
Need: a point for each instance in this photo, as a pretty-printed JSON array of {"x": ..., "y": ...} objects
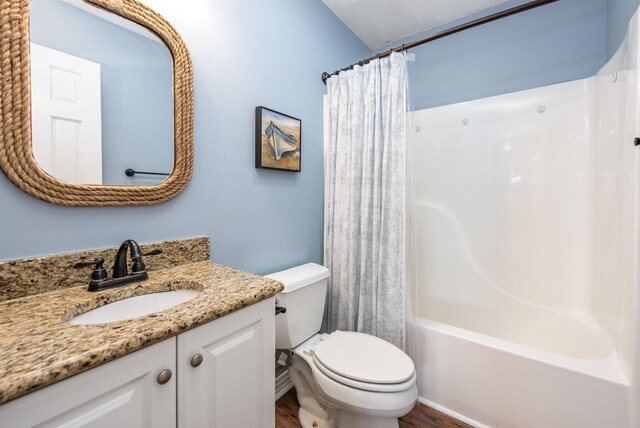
[{"x": 451, "y": 413}]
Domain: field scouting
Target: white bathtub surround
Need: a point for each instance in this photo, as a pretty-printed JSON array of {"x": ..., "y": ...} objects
[
  {"x": 525, "y": 219},
  {"x": 365, "y": 199}
]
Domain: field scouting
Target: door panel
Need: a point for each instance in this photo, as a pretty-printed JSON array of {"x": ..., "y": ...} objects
[
  {"x": 122, "y": 393},
  {"x": 66, "y": 115},
  {"x": 234, "y": 385}
]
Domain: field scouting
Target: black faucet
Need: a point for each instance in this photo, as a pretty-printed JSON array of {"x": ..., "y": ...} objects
[{"x": 121, "y": 276}]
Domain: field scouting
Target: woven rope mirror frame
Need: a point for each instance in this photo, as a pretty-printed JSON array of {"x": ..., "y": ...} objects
[{"x": 16, "y": 155}]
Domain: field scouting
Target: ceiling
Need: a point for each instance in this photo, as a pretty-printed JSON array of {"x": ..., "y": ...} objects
[{"x": 380, "y": 22}]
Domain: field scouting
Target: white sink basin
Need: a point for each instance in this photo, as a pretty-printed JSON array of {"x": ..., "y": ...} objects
[{"x": 134, "y": 307}]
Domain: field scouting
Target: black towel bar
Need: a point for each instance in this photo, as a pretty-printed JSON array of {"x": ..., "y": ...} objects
[{"x": 130, "y": 172}]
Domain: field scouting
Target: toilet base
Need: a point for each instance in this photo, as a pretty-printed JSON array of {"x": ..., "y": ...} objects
[
  {"x": 351, "y": 420},
  {"x": 344, "y": 419},
  {"x": 310, "y": 420}
]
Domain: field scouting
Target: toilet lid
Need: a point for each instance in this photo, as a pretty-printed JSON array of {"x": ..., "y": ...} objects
[{"x": 363, "y": 358}]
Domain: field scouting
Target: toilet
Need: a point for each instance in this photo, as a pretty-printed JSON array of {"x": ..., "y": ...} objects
[{"x": 343, "y": 379}]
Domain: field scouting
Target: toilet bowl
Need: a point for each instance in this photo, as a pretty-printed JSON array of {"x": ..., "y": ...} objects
[{"x": 343, "y": 379}]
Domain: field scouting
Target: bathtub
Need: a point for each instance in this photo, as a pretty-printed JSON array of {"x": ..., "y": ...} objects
[
  {"x": 491, "y": 382},
  {"x": 523, "y": 275}
]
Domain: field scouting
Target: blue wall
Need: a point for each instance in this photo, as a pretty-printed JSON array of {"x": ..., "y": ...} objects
[
  {"x": 136, "y": 80},
  {"x": 554, "y": 43},
  {"x": 245, "y": 53},
  {"x": 271, "y": 52},
  {"x": 618, "y": 14}
]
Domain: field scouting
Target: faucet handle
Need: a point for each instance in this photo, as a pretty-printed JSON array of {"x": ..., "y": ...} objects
[
  {"x": 95, "y": 263},
  {"x": 153, "y": 253},
  {"x": 99, "y": 273},
  {"x": 138, "y": 264}
]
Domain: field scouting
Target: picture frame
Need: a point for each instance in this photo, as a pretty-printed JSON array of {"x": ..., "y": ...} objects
[{"x": 278, "y": 140}]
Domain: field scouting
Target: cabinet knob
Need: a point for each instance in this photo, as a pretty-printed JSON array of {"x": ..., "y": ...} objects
[
  {"x": 164, "y": 376},
  {"x": 196, "y": 360}
]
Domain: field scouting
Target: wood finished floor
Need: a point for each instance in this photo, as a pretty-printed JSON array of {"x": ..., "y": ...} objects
[{"x": 420, "y": 417}]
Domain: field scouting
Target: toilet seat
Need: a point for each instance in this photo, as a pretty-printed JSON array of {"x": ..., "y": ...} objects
[
  {"x": 364, "y": 362},
  {"x": 366, "y": 386}
]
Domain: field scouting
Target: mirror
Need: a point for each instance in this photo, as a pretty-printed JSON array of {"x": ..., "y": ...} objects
[
  {"x": 101, "y": 96},
  {"x": 89, "y": 90}
]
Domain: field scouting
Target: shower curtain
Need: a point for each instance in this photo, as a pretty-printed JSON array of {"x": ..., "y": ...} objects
[{"x": 365, "y": 200}]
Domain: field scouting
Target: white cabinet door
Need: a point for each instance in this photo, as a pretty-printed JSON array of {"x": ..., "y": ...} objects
[
  {"x": 233, "y": 387},
  {"x": 122, "y": 393},
  {"x": 66, "y": 115}
]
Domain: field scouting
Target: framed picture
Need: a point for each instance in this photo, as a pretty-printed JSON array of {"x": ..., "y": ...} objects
[{"x": 278, "y": 140}]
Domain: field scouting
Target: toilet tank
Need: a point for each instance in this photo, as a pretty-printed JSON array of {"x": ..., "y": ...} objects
[{"x": 304, "y": 293}]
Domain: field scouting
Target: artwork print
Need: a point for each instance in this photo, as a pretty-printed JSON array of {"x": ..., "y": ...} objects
[{"x": 277, "y": 140}]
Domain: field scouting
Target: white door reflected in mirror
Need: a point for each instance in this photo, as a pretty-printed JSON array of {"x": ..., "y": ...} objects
[
  {"x": 102, "y": 96},
  {"x": 66, "y": 115}
]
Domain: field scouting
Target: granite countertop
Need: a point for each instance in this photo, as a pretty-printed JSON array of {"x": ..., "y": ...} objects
[{"x": 38, "y": 347}]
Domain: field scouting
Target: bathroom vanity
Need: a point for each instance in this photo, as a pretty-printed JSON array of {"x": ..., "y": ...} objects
[
  {"x": 217, "y": 375},
  {"x": 204, "y": 362}
]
